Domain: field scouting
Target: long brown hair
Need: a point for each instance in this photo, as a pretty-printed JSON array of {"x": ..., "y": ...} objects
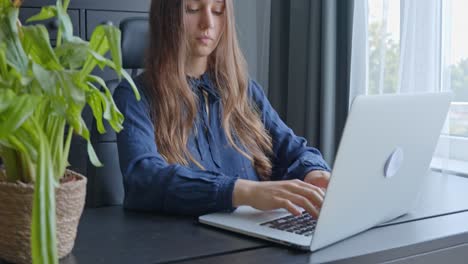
[{"x": 174, "y": 104}]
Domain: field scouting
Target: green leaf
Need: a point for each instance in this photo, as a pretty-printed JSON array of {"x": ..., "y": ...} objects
[
  {"x": 43, "y": 226},
  {"x": 65, "y": 24},
  {"x": 59, "y": 105},
  {"x": 46, "y": 79},
  {"x": 114, "y": 39},
  {"x": 29, "y": 142},
  {"x": 25, "y": 141},
  {"x": 66, "y": 151},
  {"x": 17, "y": 144},
  {"x": 98, "y": 80},
  {"x": 45, "y": 13},
  {"x": 4, "y": 6},
  {"x": 73, "y": 114},
  {"x": 36, "y": 44},
  {"x": 101, "y": 61},
  {"x": 23, "y": 159},
  {"x": 4, "y": 84},
  {"x": 117, "y": 117},
  {"x": 72, "y": 90},
  {"x": 92, "y": 156},
  {"x": 10, "y": 161},
  {"x": 3, "y": 60},
  {"x": 122, "y": 72},
  {"x": 4, "y": 143},
  {"x": 97, "y": 102},
  {"x": 54, "y": 130},
  {"x": 24, "y": 80},
  {"x": 65, "y": 4},
  {"x": 73, "y": 54},
  {"x": 132, "y": 84},
  {"x": 97, "y": 44},
  {"x": 84, "y": 130},
  {"x": 21, "y": 108},
  {"x": 111, "y": 112},
  {"x": 6, "y": 99},
  {"x": 15, "y": 54},
  {"x": 109, "y": 101}
]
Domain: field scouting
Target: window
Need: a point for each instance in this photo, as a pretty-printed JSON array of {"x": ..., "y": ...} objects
[
  {"x": 423, "y": 43},
  {"x": 384, "y": 46},
  {"x": 455, "y": 78}
]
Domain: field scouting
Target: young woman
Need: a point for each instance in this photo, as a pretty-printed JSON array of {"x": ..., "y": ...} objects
[{"x": 204, "y": 137}]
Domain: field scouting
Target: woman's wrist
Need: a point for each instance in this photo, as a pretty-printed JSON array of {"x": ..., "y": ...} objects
[{"x": 241, "y": 192}]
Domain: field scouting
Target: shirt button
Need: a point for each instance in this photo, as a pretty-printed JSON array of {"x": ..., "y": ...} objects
[{"x": 306, "y": 162}]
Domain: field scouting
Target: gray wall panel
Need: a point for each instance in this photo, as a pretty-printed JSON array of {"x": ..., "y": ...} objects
[{"x": 253, "y": 27}]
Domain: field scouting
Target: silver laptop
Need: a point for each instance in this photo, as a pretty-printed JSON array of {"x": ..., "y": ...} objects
[{"x": 382, "y": 161}]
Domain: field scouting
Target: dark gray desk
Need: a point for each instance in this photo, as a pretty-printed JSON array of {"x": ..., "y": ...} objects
[
  {"x": 436, "y": 229},
  {"x": 113, "y": 235}
]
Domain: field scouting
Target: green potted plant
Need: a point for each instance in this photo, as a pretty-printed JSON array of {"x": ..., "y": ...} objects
[{"x": 43, "y": 90}]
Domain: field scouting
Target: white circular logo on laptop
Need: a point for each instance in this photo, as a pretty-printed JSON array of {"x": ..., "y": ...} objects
[{"x": 394, "y": 162}]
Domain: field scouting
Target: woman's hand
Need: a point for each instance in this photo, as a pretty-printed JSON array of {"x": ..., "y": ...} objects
[{"x": 279, "y": 194}]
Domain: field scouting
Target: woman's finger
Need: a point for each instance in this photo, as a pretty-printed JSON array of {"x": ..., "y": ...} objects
[
  {"x": 302, "y": 202},
  {"x": 288, "y": 205},
  {"x": 312, "y": 193},
  {"x": 312, "y": 187}
]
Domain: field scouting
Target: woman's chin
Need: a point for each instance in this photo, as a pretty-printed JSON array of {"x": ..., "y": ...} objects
[{"x": 202, "y": 51}]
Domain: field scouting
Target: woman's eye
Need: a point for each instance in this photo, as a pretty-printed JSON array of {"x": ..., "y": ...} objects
[
  {"x": 192, "y": 10},
  {"x": 217, "y": 13}
]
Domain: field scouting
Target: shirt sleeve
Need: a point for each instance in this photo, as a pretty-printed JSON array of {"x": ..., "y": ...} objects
[
  {"x": 150, "y": 183},
  {"x": 293, "y": 159}
]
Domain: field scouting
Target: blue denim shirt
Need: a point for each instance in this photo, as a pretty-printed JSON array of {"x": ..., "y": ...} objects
[{"x": 152, "y": 184}]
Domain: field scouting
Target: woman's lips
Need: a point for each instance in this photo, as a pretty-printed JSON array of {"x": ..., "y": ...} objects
[{"x": 204, "y": 39}]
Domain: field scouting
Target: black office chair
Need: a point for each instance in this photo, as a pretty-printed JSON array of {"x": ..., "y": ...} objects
[{"x": 105, "y": 184}]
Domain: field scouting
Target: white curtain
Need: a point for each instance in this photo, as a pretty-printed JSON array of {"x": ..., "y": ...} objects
[
  {"x": 359, "y": 79},
  {"x": 253, "y": 26},
  {"x": 420, "y": 46},
  {"x": 398, "y": 48}
]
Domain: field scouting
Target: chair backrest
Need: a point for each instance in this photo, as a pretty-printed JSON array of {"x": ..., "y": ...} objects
[
  {"x": 135, "y": 33},
  {"x": 105, "y": 184}
]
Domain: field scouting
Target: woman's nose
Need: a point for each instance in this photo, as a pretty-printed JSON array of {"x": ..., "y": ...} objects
[{"x": 206, "y": 21}]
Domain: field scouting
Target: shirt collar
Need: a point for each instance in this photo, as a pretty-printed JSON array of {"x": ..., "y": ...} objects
[{"x": 205, "y": 83}]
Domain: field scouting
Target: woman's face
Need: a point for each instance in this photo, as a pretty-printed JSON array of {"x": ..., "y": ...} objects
[{"x": 204, "y": 25}]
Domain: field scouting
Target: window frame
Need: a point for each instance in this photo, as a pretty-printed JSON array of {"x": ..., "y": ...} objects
[{"x": 457, "y": 145}]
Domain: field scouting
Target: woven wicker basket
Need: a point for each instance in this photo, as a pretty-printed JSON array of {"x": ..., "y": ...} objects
[{"x": 16, "y": 211}]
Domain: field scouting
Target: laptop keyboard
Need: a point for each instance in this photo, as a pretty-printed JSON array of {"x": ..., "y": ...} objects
[{"x": 303, "y": 224}]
